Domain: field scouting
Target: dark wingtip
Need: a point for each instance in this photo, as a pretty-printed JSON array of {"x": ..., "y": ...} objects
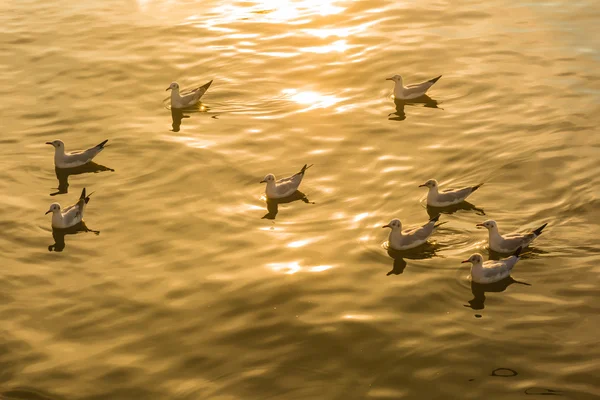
[
  {"x": 477, "y": 186},
  {"x": 102, "y": 144},
  {"x": 518, "y": 252},
  {"x": 82, "y": 194},
  {"x": 539, "y": 230},
  {"x": 306, "y": 166},
  {"x": 435, "y": 219},
  {"x": 434, "y": 80}
]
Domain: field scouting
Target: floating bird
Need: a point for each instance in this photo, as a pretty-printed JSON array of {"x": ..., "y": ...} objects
[
  {"x": 74, "y": 158},
  {"x": 410, "y": 238},
  {"x": 71, "y": 215},
  {"x": 510, "y": 242},
  {"x": 413, "y": 91},
  {"x": 493, "y": 270},
  {"x": 448, "y": 197},
  {"x": 190, "y": 98},
  {"x": 285, "y": 186}
]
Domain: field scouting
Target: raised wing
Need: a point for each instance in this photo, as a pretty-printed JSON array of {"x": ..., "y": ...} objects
[{"x": 194, "y": 95}]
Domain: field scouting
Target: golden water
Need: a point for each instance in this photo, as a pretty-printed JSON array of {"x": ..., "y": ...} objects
[{"x": 189, "y": 293}]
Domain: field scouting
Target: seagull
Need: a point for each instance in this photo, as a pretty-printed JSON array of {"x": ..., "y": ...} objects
[
  {"x": 448, "y": 197},
  {"x": 410, "y": 238},
  {"x": 190, "y": 98},
  {"x": 71, "y": 215},
  {"x": 509, "y": 242},
  {"x": 74, "y": 158},
  {"x": 413, "y": 91},
  {"x": 285, "y": 186},
  {"x": 493, "y": 270}
]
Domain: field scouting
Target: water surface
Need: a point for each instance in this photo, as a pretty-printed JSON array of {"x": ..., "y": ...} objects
[{"x": 189, "y": 293}]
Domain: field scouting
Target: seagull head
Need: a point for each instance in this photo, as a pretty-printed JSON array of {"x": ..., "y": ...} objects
[
  {"x": 475, "y": 259},
  {"x": 394, "y": 224},
  {"x": 395, "y": 78},
  {"x": 54, "y": 207},
  {"x": 57, "y": 144},
  {"x": 268, "y": 179},
  {"x": 489, "y": 224},
  {"x": 432, "y": 183},
  {"x": 173, "y": 86}
]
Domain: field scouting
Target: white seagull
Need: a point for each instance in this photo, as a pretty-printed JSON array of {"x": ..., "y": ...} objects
[
  {"x": 285, "y": 186},
  {"x": 74, "y": 158},
  {"x": 509, "y": 242},
  {"x": 410, "y": 238},
  {"x": 493, "y": 270},
  {"x": 71, "y": 215},
  {"x": 190, "y": 98},
  {"x": 448, "y": 197},
  {"x": 413, "y": 91}
]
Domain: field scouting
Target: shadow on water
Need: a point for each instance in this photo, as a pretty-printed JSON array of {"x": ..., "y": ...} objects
[
  {"x": 177, "y": 115},
  {"x": 528, "y": 253},
  {"x": 62, "y": 174},
  {"x": 400, "y": 114},
  {"x": 464, "y": 206},
  {"x": 273, "y": 204},
  {"x": 479, "y": 290},
  {"x": 428, "y": 250},
  {"x": 59, "y": 235}
]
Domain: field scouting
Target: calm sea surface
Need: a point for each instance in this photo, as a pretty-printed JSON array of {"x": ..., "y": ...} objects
[{"x": 195, "y": 290}]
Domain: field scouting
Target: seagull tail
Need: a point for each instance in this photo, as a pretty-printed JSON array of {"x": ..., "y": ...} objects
[
  {"x": 435, "y": 219},
  {"x": 539, "y": 230},
  {"x": 440, "y": 224},
  {"x": 101, "y": 145},
  {"x": 303, "y": 170},
  {"x": 84, "y": 197},
  {"x": 518, "y": 252},
  {"x": 476, "y": 187},
  {"x": 434, "y": 80}
]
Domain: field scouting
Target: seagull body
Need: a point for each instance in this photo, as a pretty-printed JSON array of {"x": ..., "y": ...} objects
[
  {"x": 410, "y": 238},
  {"x": 493, "y": 270},
  {"x": 510, "y": 242},
  {"x": 74, "y": 159},
  {"x": 189, "y": 99},
  {"x": 448, "y": 197},
  {"x": 413, "y": 91},
  {"x": 71, "y": 215},
  {"x": 285, "y": 186}
]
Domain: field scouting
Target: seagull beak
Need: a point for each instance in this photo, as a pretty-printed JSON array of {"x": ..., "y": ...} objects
[
  {"x": 167, "y": 88},
  {"x": 50, "y": 143},
  {"x": 263, "y": 181},
  {"x": 49, "y": 211},
  {"x": 423, "y": 185},
  {"x": 479, "y": 225},
  {"x": 389, "y": 79},
  {"x": 464, "y": 261},
  {"x": 386, "y": 226}
]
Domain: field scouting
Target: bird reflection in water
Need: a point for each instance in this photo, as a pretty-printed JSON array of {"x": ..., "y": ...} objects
[
  {"x": 273, "y": 204},
  {"x": 400, "y": 115},
  {"x": 62, "y": 174},
  {"x": 479, "y": 290},
  {"x": 178, "y": 114},
  {"x": 463, "y": 206},
  {"x": 59, "y": 235},
  {"x": 428, "y": 250}
]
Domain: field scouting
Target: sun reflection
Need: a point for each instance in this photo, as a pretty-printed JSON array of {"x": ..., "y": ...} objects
[
  {"x": 275, "y": 11},
  {"x": 301, "y": 243},
  {"x": 293, "y": 267},
  {"x": 339, "y": 46},
  {"x": 312, "y": 99}
]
